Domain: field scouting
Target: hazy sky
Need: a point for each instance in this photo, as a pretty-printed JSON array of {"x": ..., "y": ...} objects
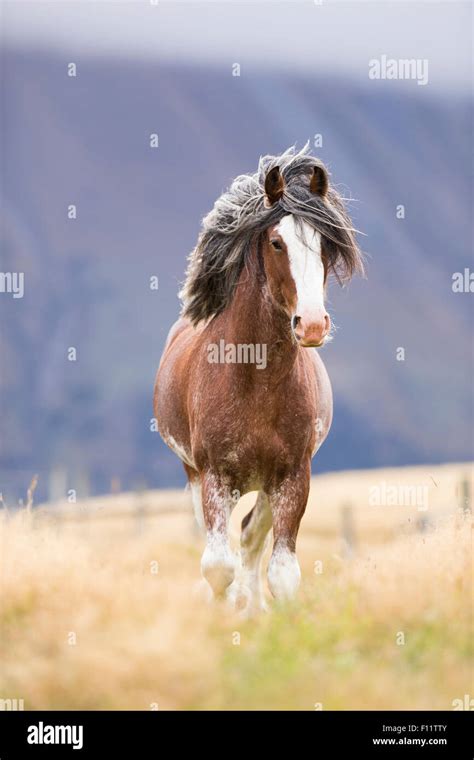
[{"x": 334, "y": 37}]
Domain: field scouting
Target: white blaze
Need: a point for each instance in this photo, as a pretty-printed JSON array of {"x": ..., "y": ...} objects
[{"x": 306, "y": 265}]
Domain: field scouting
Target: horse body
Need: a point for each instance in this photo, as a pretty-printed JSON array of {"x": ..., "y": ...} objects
[{"x": 240, "y": 426}]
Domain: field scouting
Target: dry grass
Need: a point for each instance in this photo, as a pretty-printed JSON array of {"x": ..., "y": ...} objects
[{"x": 386, "y": 627}]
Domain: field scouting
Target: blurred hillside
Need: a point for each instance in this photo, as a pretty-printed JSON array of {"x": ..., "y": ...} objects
[{"x": 85, "y": 141}]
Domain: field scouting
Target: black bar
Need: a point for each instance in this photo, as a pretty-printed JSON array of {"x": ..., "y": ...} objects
[{"x": 142, "y": 734}]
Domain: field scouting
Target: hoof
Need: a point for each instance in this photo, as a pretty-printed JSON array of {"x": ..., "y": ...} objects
[
  {"x": 218, "y": 568},
  {"x": 239, "y": 596},
  {"x": 246, "y": 601}
]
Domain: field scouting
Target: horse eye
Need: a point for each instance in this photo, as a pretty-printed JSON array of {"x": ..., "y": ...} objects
[{"x": 277, "y": 245}]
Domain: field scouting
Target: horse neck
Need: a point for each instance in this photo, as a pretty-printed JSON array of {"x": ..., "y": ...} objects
[{"x": 252, "y": 317}]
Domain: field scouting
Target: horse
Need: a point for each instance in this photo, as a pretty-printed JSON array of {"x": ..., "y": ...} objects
[{"x": 256, "y": 279}]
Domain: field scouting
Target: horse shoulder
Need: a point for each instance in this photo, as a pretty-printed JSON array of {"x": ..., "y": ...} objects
[
  {"x": 170, "y": 390},
  {"x": 322, "y": 410}
]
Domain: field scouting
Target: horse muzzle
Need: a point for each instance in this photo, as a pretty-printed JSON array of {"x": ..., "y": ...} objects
[{"x": 311, "y": 331}]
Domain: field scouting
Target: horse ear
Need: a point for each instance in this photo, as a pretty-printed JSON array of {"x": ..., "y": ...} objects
[
  {"x": 319, "y": 181},
  {"x": 274, "y": 186}
]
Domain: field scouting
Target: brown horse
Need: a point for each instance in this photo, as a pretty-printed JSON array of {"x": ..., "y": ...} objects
[{"x": 241, "y": 394}]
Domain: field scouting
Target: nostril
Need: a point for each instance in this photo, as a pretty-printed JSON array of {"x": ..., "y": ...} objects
[
  {"x": 327, "y": 323},
  {"x": 295, "y": 322}
]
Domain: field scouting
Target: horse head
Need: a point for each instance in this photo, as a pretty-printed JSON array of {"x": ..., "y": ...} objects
[{"x": 295, "y": 264}]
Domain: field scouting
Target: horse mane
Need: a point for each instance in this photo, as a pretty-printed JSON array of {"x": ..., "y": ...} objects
[{"x": 240, "y": 216}]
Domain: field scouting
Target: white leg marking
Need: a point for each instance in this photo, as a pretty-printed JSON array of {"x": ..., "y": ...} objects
[
  {"x": 196, "y": 496},
  {"x": 247, "y": 591},
  {"x": 284, "y": 574},
  {"x": 218, "y": 561},
  {"x": 251, "y": 577}
]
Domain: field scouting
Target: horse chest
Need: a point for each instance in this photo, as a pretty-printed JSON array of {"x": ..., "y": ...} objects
[{"x": 256, "y": 442}]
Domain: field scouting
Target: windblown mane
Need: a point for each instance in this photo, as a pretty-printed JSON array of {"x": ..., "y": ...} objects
[{"x": 240, "y": 216}]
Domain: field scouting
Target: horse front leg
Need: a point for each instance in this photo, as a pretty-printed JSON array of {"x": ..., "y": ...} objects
[
  {"x": 256, "y": 526},
  {"x": 218, "y": 560},
  {"x": 288, "y": 503}
]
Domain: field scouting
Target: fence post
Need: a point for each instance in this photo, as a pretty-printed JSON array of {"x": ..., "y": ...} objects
[
  {"x": 140, "y": 509},
  {"x": 347, "y": 531},
  {"x": 57, "y": 484},
  {"x": 465, "y": 496}
]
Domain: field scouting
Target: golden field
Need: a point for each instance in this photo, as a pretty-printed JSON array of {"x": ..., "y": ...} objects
[{"x": 102, "y": 606}]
